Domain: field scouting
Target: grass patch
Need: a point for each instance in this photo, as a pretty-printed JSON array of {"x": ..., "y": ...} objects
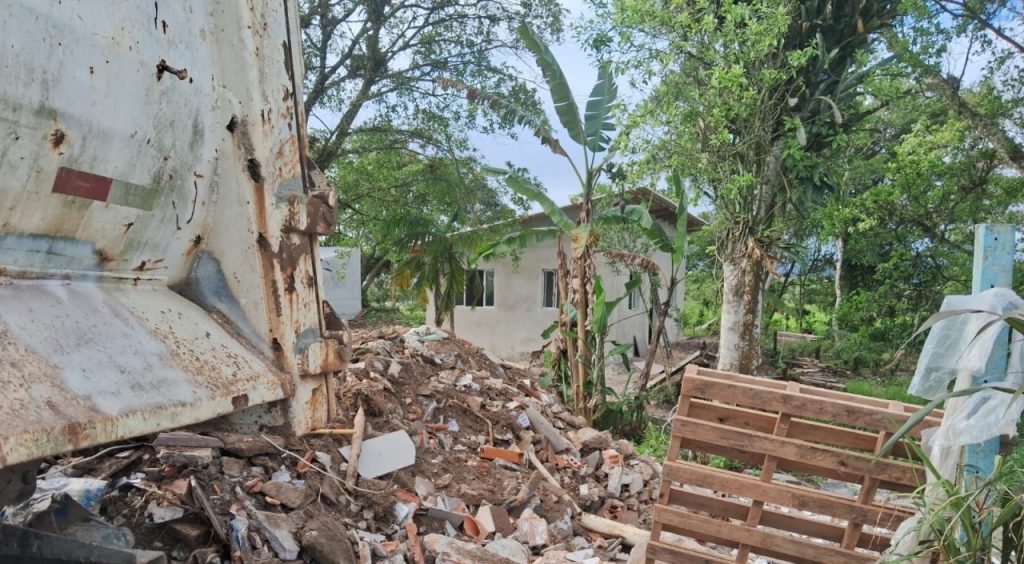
[
  {"x": 409, "y": 315},
  {"x": 890, "y": 389},
  {"x": 655, "y": 442}
]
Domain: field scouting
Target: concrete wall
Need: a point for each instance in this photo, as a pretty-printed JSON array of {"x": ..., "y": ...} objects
[
  {"x": 512, "y": 327},
  {"x": 342, "y": 280}
]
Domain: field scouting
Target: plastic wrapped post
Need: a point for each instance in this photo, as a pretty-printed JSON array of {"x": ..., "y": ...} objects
[{"x": 956, "y": 350}]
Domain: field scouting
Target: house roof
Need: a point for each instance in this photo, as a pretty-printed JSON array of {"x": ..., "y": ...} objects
[{"x": 660, "y": 208}]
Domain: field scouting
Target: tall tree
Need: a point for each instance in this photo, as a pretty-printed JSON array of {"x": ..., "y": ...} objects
[
  {"x": 970, "y": 54},
  {"x": 748, "y": 99},
  {"x": 371, "y": 65},
  {"x": 396, "y": 201}
]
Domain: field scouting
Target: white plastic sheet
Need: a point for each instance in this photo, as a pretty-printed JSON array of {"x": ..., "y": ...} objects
[{"x": 957, "y": 349}]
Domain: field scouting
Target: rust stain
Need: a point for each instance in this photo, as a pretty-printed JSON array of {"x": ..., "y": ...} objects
[
  {"x": 149, "y": 265},
  {"x": 57, "y": 139},
  {"x": 253, "y": 167},
  {"x": 162, "y": 67}
]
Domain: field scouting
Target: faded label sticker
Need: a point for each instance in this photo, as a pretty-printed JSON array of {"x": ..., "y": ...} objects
[{"x": 81, "y": 184}]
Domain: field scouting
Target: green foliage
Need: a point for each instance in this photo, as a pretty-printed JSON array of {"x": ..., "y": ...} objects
[
  {"x": 370, "y": 66},
  {"x": 970, "y": 523},
  {"x": 655, "y": 442},
  {"x": 889, "y": 388},
  {"x": 408, "y": 315}
]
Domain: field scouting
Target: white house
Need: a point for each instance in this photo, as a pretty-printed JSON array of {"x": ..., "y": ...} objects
[
  {"x": 342, "y": 280},
  {"x": 518, "y": 300}
]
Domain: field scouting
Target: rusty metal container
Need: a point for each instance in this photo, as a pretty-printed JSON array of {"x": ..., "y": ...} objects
[{"x": 158, "y": 224}]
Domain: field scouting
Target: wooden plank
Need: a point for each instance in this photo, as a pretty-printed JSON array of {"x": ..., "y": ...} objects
[
  {"x": 799, "y": 451},
  {"x": 767, "y": 472},
  {"x": 789, "y": 522},
  {"x": 907, "y": 408},
  {"x": 797, "y": 404},
  {"x": 779, "y": 545},
  {"x": 811, "y": 431},
  {"x": 664, "y": 552},
  {"x": 932, "y": 420},
  {"x": 786, "y": 495}
]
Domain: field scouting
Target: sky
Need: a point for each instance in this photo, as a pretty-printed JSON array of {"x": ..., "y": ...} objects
[{"x": 552, "y": 170}]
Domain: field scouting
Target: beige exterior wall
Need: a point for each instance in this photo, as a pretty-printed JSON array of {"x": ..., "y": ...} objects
[{"x": 512, "y": 327}]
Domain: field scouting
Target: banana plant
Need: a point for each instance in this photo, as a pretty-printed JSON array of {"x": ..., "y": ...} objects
[{"x": 590, "y": 131}]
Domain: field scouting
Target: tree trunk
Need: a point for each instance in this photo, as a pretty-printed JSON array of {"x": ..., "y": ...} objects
[
  {"x": 582, "y": 282},
  {"x": 840, "y": 248},
  {"x": 739, "y": 346}
]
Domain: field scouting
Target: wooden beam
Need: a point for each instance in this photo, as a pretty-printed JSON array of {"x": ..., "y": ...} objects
[
  {"x": 794, "y": 450},
  {"x": 779, "y": 545},
  {"x": 797, "y": 497}
]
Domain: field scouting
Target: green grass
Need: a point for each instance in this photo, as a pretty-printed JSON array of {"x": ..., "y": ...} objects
[
  {"x": 655, "y": 442},
  {"x": 409, "y": 315},
  {"x": 890, "y": 389}
]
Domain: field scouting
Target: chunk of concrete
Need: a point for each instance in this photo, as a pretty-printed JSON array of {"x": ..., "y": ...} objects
[
  {"x": 328, "y": 546},
  {"x": 292, "y": 496},
  {"x": 278, "y": 530},
  {"x": 592, "y": 439},
  {"x": 384, "y": 454},
  {"x": 451, "y": 551},
  {"x": 510, "y": 549}
]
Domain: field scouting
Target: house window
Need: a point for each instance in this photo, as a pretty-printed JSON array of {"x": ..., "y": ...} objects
[
  {"x": 549, "y": 289},
  {"x": 634, "y": 295},
  {"x": 479, "y": 290}
]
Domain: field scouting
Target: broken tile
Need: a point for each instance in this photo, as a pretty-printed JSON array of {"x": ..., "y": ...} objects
[
  {"x": 384, "y": 454},
  {"x": 492, "y": 453},
  {"x": 532, "y": 529},
  {"x": 495, "y": 518}
]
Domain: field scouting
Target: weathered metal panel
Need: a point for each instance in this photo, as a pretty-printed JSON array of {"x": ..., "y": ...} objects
[{"x": 158, "y": 221}]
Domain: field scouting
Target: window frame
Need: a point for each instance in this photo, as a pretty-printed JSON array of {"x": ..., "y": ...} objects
[
  {"x": 485, "y": 276},
  {"x": 633, "y": 301},
  {"x": 554, "y": 289}
]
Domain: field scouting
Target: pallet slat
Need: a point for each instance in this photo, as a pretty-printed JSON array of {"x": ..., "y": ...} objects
[
  {"x": 764, "y": 542},
  {"x": 797, "y": 497},
  {"x": 798, "y": 451},
  {"x": 811, "y": 431},
  {"x": 664, "y": 552},
  {"x": 789, "y": 522}
]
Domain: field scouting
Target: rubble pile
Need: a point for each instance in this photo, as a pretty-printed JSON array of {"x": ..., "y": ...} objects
[{"x": 441, "y": 452}]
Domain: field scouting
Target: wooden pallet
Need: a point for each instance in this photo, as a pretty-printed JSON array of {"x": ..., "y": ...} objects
[{"x": 790, "y": 427}]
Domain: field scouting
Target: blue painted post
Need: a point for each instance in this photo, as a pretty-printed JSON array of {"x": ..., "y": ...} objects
[{"x": 993, "y": 268}]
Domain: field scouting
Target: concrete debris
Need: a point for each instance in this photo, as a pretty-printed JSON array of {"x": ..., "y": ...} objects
[
  {"x": 164, "y": 514},
  {"x": 195, "y": 457},
  {"x": 464, "y": 459},
  {"x": 288, "y": 494},
  {"x": 510, "y": 549},
  {"x": 278, "y": 530},
  {"x": 592, "y": 439}
]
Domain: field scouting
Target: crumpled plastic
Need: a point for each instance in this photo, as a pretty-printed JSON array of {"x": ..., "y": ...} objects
[
  {"x": 87, "y": 492},
  {"x": 424, "y": 333},
  {"x": 957, "y": 349}
]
